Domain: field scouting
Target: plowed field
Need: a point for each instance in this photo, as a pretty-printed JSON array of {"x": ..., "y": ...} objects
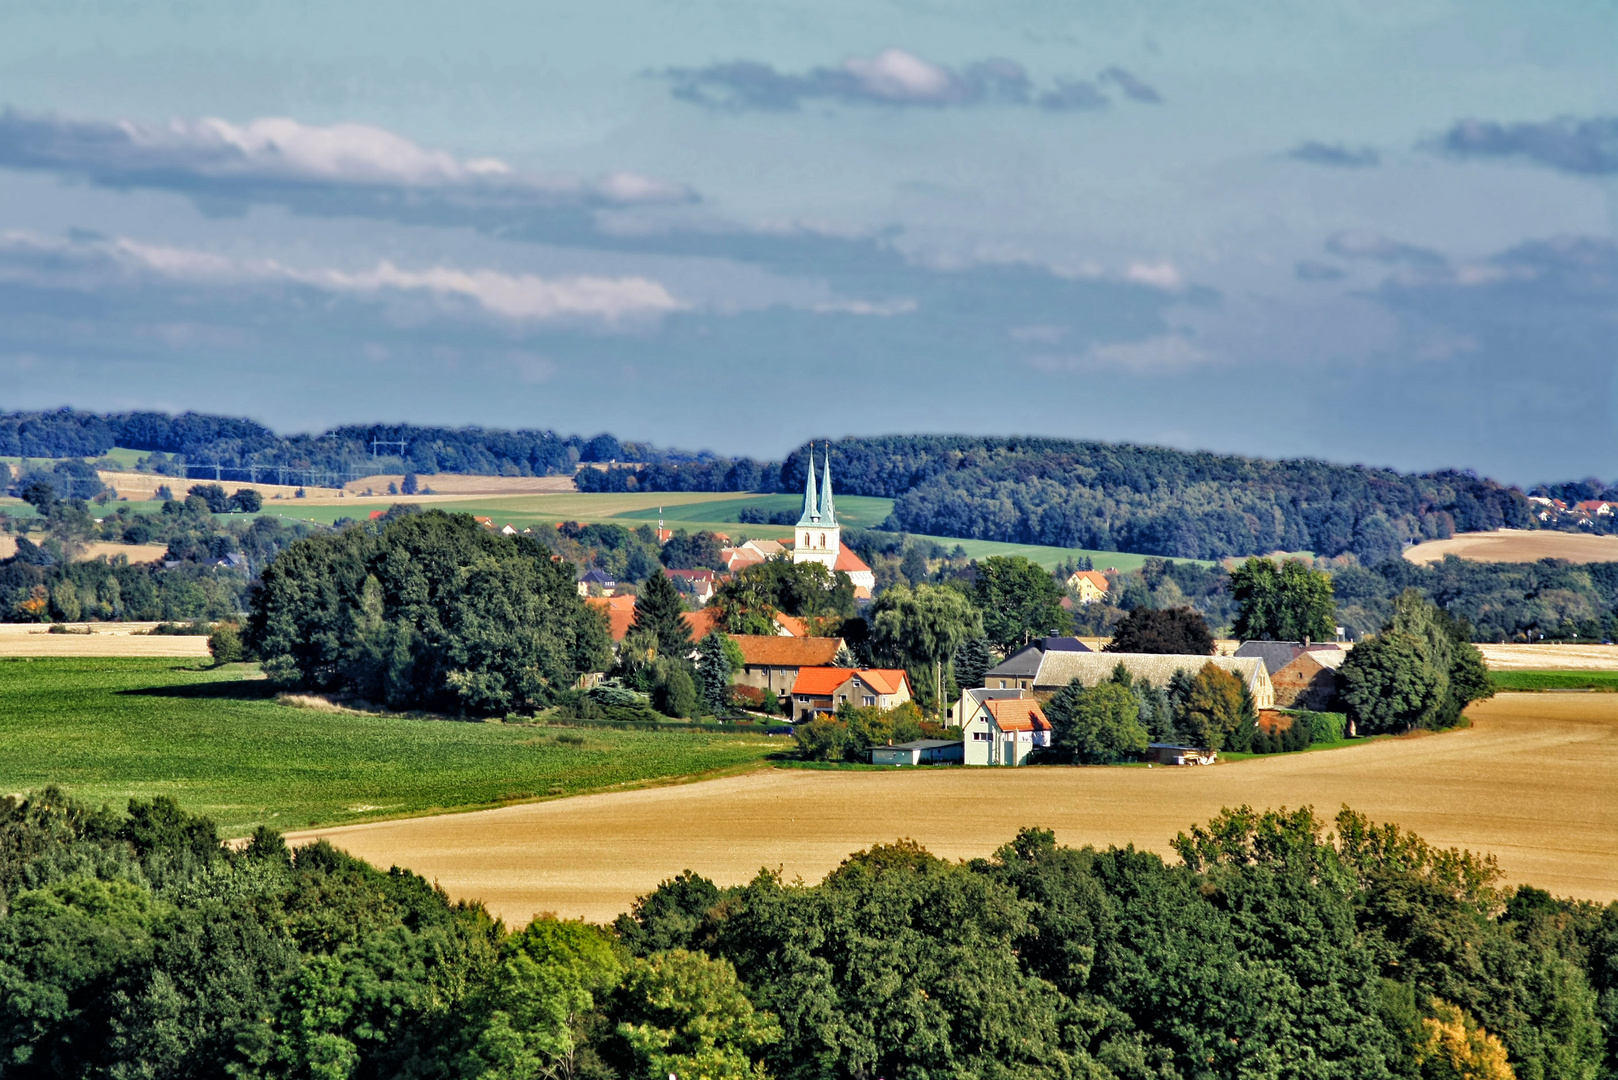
[
  {"x": 1532, "y": 782},
  {"x": 1518, "y": 546}
]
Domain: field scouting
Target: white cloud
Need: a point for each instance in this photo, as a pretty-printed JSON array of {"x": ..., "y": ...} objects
[
  {"x": 518, "y": 297},
  {"x": 901, "y": 76},
  {"x": 1159, "y": 275},
  {"x": 1162, "y": 354},
  {"x": 881, "y": 308}
]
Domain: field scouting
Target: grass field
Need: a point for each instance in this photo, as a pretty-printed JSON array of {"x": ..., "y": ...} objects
[
  {"x": 1554, "y": 680},
  {"x": 109, "y": 729},
  {"x": 1528, "y": 782}
]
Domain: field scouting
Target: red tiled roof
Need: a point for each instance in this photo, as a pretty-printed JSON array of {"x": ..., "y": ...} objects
[
  {"x": 824, "y": 681},
  {"x": 1017, "y": 714},
  {"x": 620, "y": 613},
  {"x": 701, "y": 622},
  {"x": 849, "y": 563},
  {"x": 1094, "y": 577},
  {"x": 765, "y": 650},
  {"x": 793, "y": 625}
]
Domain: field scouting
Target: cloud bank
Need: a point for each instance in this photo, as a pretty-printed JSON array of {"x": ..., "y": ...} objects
[
  {"x": 1343, "y": 157},
  {"x": 1587, "y": 147},
  {"x": 893, "y": 77},
  {"x": 209, "y": 156}
]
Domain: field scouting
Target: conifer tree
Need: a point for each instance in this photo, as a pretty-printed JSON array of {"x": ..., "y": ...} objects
[
  {"x": 713, "y": 673},
  {"x": 658, "y": 610}
]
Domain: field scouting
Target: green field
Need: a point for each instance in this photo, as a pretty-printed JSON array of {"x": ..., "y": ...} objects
[
  {"x": 107, "y": 730},
  {"x": 1554, "y": 680}
]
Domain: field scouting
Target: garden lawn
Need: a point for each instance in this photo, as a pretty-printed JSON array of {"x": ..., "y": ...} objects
[{"x": 107, "y": 730}]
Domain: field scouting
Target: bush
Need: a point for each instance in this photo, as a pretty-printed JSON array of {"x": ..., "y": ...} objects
[
  {"x": 1326, "y": 727},
  {"x": 225, "y": 644},
  {"x": 746, "y": 697}
]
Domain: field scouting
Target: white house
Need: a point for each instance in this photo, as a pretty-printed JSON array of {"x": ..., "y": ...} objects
[{"x": 1004, "y": 731}]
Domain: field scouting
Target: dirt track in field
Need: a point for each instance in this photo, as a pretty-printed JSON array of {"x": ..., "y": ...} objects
[
  {"x": 1531, "y": 782},
  {"x": 104, "y": 639},
  {"x": 1518, "y": 546}
]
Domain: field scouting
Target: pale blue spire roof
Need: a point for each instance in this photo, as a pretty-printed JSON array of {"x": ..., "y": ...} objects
[
  {"x": 828, "y": 509},
  {"x": 811, "y": 504}
]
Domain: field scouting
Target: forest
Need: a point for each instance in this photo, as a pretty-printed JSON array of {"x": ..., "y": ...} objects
[{"x": 1276, "y": 945}]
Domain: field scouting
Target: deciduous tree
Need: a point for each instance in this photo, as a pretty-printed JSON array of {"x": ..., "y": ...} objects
[
  {"x": 1019, "y": 601},
  {"x": 1289, "y": 602},
  {"x": 1172, "y": 630}
]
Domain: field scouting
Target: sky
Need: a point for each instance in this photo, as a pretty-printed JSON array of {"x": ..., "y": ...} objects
[{"x": 1375, "y": 231}]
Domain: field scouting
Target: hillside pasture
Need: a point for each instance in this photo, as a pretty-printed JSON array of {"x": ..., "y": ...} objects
[
  {"x": 218, "y": 741},
  {"x": 1528, "y": 782},
  {"x": 1518, "y": 546}
]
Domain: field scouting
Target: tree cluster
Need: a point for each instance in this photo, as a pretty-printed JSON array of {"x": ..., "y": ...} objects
[
  {"x": 1115, "y": 720},
  {"x": 427, "y": 611},
  {"x": 1419, "y": 671}
]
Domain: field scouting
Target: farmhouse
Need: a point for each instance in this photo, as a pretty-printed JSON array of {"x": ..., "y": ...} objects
[
  {"x": 773, "y": 662},
  {"x": 823, "y": 689},
  {"x": 1304, "y": 675},
  {"x": 1020, "y": 668},
  {"x": 1005, "y": 731},
  {"x": 1057, "y": 668},
  {"x": 818, "y": 537},
  {"x": 1089, "y": 586},
  {"x": 597, "y": 583},
  {"x": 971, "y": 699},
  {"x": 919, "y": 752}
]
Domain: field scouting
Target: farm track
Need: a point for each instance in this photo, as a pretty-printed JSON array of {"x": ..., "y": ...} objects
[{"x": 1530, "y": 782}]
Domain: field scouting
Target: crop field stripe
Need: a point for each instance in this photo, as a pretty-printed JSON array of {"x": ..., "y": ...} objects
[{"x": 1554, "y": 680}]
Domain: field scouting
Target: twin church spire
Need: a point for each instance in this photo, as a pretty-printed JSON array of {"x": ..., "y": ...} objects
[{"x": 818, "y": 509}]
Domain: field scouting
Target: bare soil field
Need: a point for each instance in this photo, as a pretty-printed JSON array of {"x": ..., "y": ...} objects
[
  {"x": 103, "y": 639},
  {"x": 1551, "y": 657},
  {"x": 1518, "y": 545},
  {"x": 1530, "y": 782},
  {"x": 135, "y": 553}
]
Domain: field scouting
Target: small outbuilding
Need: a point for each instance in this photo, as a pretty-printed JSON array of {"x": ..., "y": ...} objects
[
  {"x": 919, "y": 752},
  {"x": 1174, "y": 754}
]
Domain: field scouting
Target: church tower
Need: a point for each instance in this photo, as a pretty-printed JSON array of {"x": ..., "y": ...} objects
[{"x": 819, "y": 538}]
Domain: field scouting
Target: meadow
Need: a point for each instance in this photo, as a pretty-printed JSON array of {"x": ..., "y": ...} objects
[
  {"x": 1554, "y": 680},
  {"x": 216, "y": 739}
]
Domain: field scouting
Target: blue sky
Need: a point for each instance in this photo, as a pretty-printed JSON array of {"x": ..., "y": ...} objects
[{"x": 1374, "y": 231}]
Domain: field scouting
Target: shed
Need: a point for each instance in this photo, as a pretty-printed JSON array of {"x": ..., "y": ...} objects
[
  {"x": 1173, "y": 754},
  {"x": 919, "y": 752}
]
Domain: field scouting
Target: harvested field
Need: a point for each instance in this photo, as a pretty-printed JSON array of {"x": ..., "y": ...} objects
[
  {"x": 1518, "y": 546},
  {"x": 1529, "y": 782},
  {"x": 1550, "y": 657},
  {"x": 103, "y": 639},
  {"x": 135, "y": 553}
]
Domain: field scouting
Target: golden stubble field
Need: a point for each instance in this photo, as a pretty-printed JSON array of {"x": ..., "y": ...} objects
[
  {"x": 1518, "y": 546},
  {"x": 102, "y": 639},
  {"x": 1531, "y": 782}
]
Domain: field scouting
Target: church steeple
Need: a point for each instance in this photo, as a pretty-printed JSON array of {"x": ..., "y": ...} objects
[
  {"x": 811, "y": 504},
  {"x": 828, "y": 509}
]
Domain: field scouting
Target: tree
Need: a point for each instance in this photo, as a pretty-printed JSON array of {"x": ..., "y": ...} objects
[
  {"x": 1214, "y": 708},
  {"x": 408, "y": 485},
  {"x": 212, "y": 494},
  {"x": 920, "y": 627},
  {"x": 225, "y": 643},
  {"x": 1019, "y": 601},
  {"x": 1174, "y": 630},
  {"x": 1098, "y": 725},
  {"x": 247, "y": 500},
  {"x": 1390, "y": 684},
  {"x": 1289, "y": 602},
  {"x": 674, "y": 693},
  {"x": 38, "y": 493},
  {"x": 686, "y": 1015},
  {"x": 972, "y": 658},
  {"x": 659, "y": 612},
  {"x": 713, "y": 673}
]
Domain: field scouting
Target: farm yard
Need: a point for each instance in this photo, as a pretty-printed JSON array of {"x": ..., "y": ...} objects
[
  {"x": 1518, "y": 546},
  {"x": 109, "y": 729},
  {"x": 1517, "y": 784}
]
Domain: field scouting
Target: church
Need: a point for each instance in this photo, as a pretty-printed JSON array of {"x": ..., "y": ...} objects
[{"x": 819, "y": 537}]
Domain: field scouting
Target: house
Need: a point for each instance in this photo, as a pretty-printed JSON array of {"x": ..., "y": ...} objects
[
  {"x": 1175, "y": 754},
  {"x": 508, "y": 529},
  {"x": 1045, "y": 672},
  {"x": 772, "y": 662},
  {"x": 1089, "y": 586},
  {"x": 1004, "y": 731},
  {"x": 700, "y": 623},
  {"x": 790, "y": 626},
  {"x": 1595, "y": 506},
  {"x": 620, "y": 613},
  {"x": 231, "y": 560},
  {"x": 486, "y": 522},
  {"x": 1020, "y": 668},
  {"x": 700, "y": 585},
  {"x": 971, "y": 699},
  {"x": 818, "y": 537},
  {"x": 736, "y": 558},
  {"x": 919, "y": 752},
  {"x": 822, "y": 689},
  {"x": 765, "y": 549},
  {"x": 597, "y": 582},
  {"x": 1304, "y": 675}
]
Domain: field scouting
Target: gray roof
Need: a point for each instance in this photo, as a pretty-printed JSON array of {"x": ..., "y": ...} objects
[
  {"x": 920, "y": 744},
  {"x": 1066, "y": 644},
  {"x": 1022, "y": 664},
  {"x": 1275, "y": 654},
  {"x": 1058, "y": 669},
  {"x": 983, "y": 693}
]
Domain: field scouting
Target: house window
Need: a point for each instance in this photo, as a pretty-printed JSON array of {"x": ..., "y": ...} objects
[
  {"x": 868, "y": 700},
  {"x": 805, "y": 539},
  {"x": 822, "y": 539},
  {"x": 1002, "y": 684}
]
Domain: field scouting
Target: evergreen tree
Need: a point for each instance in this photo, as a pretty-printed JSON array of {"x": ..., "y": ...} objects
[
  {"x": 675, "y": 694},
  {"x": 658, "y": 611},
  {"x": 713, "y": 673},
  {"x": 408, "y": 485},
  {"x": 972, "y": 659}
]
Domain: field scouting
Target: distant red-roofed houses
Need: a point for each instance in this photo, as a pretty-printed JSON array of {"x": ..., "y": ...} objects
[
  {"x": 738, "y": 557},
  {"x": 823, "y": 689},
  {"x": 1595, "y": 506},
  {"x": 664, "y": 535},
  {"x": 699, "y": 584},
  {"x": 486, "y": 522},
  {"x": 620, "y": 613},
  {"x": 772, "y": 662},
  {"x": 376, "y": 514}
]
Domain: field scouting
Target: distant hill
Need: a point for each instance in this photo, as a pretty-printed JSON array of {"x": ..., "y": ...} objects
[{"x": 1056, "y": 492}]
